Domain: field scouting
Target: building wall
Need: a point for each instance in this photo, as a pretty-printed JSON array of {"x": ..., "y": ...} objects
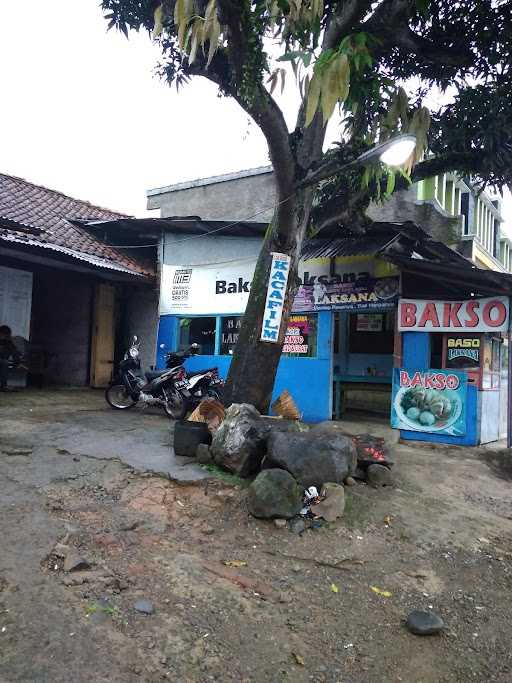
[
  {"x": 178, "y": 250},
  {"x": 234, "y": 200},
  {"x": 140, "y": 317}
]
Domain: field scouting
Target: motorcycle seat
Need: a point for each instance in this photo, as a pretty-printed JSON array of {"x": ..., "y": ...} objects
[
  {"x": 153, "y": 374},
  {"x": 200, "y": 372}
]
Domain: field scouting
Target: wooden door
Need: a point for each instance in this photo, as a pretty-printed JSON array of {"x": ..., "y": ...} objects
[{"x": 103, "y": 332}]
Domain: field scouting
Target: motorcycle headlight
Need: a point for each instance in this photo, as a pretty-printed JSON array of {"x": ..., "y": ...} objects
[{"x": 134, "y": 352}]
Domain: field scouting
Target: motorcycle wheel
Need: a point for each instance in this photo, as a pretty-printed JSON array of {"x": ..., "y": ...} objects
[
  {"x": 175, "y": 407},
  {"x": 118, "y": 397}
]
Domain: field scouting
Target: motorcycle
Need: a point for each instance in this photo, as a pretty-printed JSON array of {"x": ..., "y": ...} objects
[
  {"x": 201, "y": 384},
  {"x": 164, "y": 388}
]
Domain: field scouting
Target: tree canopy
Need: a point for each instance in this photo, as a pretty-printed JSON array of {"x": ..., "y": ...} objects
[{"x": 440, "y": 69}]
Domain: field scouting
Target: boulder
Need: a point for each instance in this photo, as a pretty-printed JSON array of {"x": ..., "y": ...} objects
[
  {"x": 313, "y": 458},
  {"x": 379, "y": 475},
  {"x": 239, "y": 443},
  {"x": 274, "y": 494}
]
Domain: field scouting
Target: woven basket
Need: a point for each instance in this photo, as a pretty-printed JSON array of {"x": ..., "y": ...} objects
[{"x": 284, "y": 405}]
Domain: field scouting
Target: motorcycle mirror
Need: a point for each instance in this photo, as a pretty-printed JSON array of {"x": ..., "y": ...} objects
[{"x": 135, "y": 339}]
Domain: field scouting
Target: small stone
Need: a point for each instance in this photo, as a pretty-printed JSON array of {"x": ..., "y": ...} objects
[
  {"x": 297, "y": 525},
  {"x": 379, "y": 475},
  {"x": 350, "y": 481},
  {"x": 74, "y": 562},
  {"x": 144, "y": 607},
  {"x": 285, "y": 598},
  {"x": 280, "y": 523},
  {"x": 208, "y": 530},
  {"x": 424, "y": 623},
  {"x": 99, "y": 617}
]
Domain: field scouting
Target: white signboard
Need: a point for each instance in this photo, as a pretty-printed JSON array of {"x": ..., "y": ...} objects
[
  {"x": 16, "y": 300},
  {"x": 224, "y": 288},
  {"x": 276, "y": 292},
  {"x": 476, "y": 315},
  {"x": 203, "y": 290}
]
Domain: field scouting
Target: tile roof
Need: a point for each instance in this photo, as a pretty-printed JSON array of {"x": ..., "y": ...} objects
[{"x": 29, "y": 208}]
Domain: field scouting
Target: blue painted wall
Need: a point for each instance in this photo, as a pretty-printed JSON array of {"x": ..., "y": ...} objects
[
  {"x": 309, "y": 380},
  {"x": 416, "y": 356}
]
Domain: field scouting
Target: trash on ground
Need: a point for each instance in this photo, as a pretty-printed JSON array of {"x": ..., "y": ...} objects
[
  {"x": 299, "y": 660},
  {"x": 334, "y": 588},
  {"x": 235, "y": 563},
  {"x": 379, "y": 591}
]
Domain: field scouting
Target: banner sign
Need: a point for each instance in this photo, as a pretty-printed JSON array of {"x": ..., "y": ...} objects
[
  {"x": 224, "y": 288},
  {"x": 367, "y": 294},
  {"x": 299, "y": 335},
  {"x": 476, "y": 315},
  {"x": 432, "y": 401},
  {"x": 274, "y": 304}
]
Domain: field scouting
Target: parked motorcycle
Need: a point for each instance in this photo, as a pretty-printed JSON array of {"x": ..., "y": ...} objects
[
  {"x": 201, "y": 384},
  {"x": 165, "y": 389}
]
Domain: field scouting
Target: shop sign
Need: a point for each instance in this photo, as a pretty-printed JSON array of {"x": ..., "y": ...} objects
[
  {"x": 476, "y": 315},
  {"x": 297, "y": 338},
  {"x": 432, "y": 401},
  {"x": 276, "y": 293},
  {"x": 463, "y": 352},
  {"x": 362, "y": 295}
]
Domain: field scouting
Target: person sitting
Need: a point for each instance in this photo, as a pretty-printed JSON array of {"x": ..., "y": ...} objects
[{"x": 8, "y": 353}]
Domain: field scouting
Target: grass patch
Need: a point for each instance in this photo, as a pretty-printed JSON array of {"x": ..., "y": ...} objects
[{"x": 226, "y": 477}]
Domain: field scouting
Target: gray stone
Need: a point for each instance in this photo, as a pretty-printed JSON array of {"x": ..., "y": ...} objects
[
  {"x": 240, "y": 441},
  {"x": 203, "y": 454},
  {"x": 99, "y": 617},
  {"x": 379, "y": 475},
  {"x": 280, "y": 523},
  {"x": 61, "y": 550},
  {"x": 424, "y": 623},
  {"x": 144, "y": 606},
  {"x": 75, "y": 562},
  {"x": 313, "y": 458},
  {"x": 333, "y": 504},
  {"x": 297, "y": 525},
  {"x": 274, "y": 493},
  {"x": 350, "y": 481}
]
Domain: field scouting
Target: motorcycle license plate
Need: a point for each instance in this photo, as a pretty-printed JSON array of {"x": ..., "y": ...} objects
[{"x": 180, "y": 385}]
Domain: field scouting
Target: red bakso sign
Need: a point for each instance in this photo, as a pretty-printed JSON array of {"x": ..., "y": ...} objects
[{"x": 476, "y": 315}]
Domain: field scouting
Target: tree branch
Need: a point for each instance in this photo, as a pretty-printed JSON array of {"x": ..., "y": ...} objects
[
  {"x": 340, "y": 210},
  {"x": 348, "y": 15}
]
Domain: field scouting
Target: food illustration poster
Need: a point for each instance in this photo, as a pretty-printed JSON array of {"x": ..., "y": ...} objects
[{"x": 432, "y": 401}]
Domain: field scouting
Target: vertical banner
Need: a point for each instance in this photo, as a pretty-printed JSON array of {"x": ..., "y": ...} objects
[{"x": 276, "y": 290}]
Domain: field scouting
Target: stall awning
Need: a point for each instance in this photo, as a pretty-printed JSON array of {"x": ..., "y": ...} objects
[{"x": 424, "y": 278}]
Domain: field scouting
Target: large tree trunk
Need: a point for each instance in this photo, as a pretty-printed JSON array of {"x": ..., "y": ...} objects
[{"x": 254, "y": 365}]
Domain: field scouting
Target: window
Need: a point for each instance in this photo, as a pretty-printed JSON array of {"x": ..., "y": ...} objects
[
  {"x": 230, "y": 329},
  {"x": 301, "y": 336},
  {"x": 198, "y": 331},
  {"x": 371, "y": 332}
]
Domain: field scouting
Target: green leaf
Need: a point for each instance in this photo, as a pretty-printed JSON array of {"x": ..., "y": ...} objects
[
  {"x": 290, "y": 56},
  {"x": 391, "y": 183}
]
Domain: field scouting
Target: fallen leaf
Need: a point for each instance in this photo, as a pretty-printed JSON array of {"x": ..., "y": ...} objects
[
  {"x": 379, "y": 591},
  {"x": 334, "y": 588},
  {"x": 234, "y": 563},
  {"x": 298, "y": 659},
  {"x": 387, "y": 520}
]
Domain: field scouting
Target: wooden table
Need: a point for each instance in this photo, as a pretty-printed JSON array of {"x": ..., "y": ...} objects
[{"x": 364, "y": 382}]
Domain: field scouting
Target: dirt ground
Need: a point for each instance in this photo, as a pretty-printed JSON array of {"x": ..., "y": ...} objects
[{"x": 303, "y": 608}]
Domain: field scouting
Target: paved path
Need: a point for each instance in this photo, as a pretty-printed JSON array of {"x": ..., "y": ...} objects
[{"x": 81, "y": 423}]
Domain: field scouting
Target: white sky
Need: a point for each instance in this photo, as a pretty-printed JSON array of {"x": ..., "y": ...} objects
[{"x": 82, "y": 112}]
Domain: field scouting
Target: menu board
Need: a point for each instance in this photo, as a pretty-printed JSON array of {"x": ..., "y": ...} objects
[{"x": 16, "y": 300}]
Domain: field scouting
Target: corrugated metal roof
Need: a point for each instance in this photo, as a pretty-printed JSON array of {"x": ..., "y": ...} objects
[
  {"x": 346, "y": 246},
  {"x": 80, "y": 255}
]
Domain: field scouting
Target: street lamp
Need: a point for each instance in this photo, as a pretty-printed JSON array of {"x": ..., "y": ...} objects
[{"x": 393, "y": 152}]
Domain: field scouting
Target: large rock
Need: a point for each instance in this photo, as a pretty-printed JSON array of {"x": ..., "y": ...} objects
[
  {"x": 240, "y": 442},
  {"x": 274, "y": 494},
  {"x": 312, "y": 458}
]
